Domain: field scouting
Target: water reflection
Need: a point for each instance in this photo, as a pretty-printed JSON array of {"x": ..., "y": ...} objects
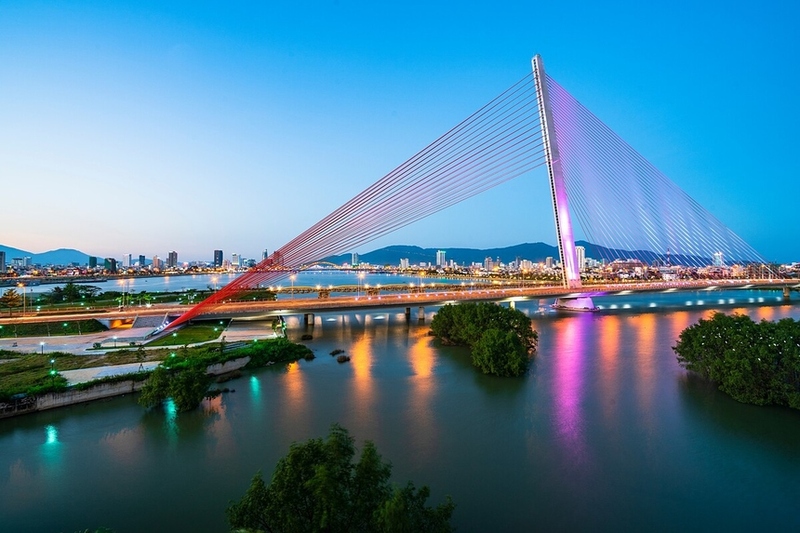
[
  {"x": 423, "y": 388},
  {"x": 52, "y": 448},
  {"x": 218, "y": 427},
  {"x": 126, "y": 446},
  {"x": 644, "y": 363},
  {"x": 609, "y": 335},
  {"x": 361, "y": 362},
  {"x": 568, "y": 357}
]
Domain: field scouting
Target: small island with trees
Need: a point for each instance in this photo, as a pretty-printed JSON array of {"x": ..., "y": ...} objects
[
  {"x": 319, "y": 487},
  {"x": 756, "y": 363},
  {"x": 500, "y": 339}
]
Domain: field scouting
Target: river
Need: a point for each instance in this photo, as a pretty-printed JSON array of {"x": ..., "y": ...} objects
[{"x": 606, "y": 432}]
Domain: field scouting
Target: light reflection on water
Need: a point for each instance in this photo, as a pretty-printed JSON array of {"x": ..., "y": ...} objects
[{"x": 606, "y": 431}]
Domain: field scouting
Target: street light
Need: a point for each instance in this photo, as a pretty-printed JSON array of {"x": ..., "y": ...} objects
[
  {"x": 52, "y": 372},
  {"x": 42, "y": 345},
  {"x": 292, "y": 278},
  {"x": 22, "y": 285}
]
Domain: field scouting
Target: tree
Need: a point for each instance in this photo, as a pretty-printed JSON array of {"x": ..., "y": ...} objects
[
  {"x": 500, "y": 353},
  {"x": 10, "y": 299},
  {"x": 756, "y": 363},
  {"x": 500, "y": 338},
  {"x": 318, "y": 487},
  {"x": 187, "y": 387},
  {"x": 156, "y": 388}
]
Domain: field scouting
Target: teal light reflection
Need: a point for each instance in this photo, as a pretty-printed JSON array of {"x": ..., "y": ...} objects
[
  {"x": 171, "y": 421},
  {"x": 255, "y": 387},
  {"x": 51, "y": 435}
]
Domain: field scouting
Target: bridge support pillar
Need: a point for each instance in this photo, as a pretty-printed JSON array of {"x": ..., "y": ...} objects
[
  {"x": 421, "y": 314},
  {"x": 408, "y": 313},
  {"x": 308, "y": 319},
  {"x": 786, "y": 293}
]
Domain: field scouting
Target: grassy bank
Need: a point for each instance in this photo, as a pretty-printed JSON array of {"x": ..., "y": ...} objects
[{"x": 51, "y": 329}]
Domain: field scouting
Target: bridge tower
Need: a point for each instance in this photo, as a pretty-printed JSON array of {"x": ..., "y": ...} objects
[{"x": 566, "y": 240}]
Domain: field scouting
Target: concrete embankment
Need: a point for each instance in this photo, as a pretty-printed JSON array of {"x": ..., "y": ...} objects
[{"x": 51, "y": 400}]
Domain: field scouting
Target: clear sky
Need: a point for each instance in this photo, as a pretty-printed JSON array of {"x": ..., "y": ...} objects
[{"x": 143, "y": 127}]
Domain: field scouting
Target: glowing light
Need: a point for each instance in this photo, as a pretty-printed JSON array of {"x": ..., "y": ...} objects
[{"x": 51, "y": 434}]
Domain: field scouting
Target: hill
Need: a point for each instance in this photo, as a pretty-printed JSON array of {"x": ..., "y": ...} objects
[{"x": 61, "y": 256}]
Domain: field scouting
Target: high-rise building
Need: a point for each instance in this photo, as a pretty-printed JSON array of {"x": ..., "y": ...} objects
[
  {"x": 235, "y": 260},
  {"x": 217, "y": 258},
  {"x": 548, "y": 262},
  {"x": 719, "y": 259},
  {"x": 404, "y": 263},
  {"x": 156, "y": 263},
  {"x": 92, "y": 261},
  {"x": 440, "y": 260},
  {"x": 127, "y": 260},
  {"x": 580, "y": 251},
  {"x": 110, "y": 264},
  {"x": 142, "y": 261},
  {"x": 172, "y": 259},
  {"x": 2, "y": 262},
  {"x": 354, "y": 258},
  {"x": 488, "y": 264},
  {"x": 265, "y": 254}
]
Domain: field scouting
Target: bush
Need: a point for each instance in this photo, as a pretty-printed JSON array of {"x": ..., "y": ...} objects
[
  {"x": 756, "y": 363},
  {"x": 500, "y": 338},
  {"x": 318, "y": 487}
]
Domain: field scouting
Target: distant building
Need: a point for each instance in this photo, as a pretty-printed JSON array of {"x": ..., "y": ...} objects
[
  {"x": 2, "y": 262},
  {"x": 718, "y": 259},
  {"x": 110, "y": 264},
  {"x": 92, "y": 261},
  {"x": 265, "y": 254},
  {"x": 404, "y": 263},
  {"x": 440, "y": 260},
  {"x": 235, "y": 260},
  {"x": 218, "y": 258},
  {"x": 127, "y": 260},
  {"x": 548, "y": 262},
  {"x": 142, "y": 261},
  {"x": 580, "y": 251},
  {"x": 172, "y": 259},
  {"x": 354, "y": 261},
  {"x": 488, "y": 264},
  {"x": 156, "y": 263}
]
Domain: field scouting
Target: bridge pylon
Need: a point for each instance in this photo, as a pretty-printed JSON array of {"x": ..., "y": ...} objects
[{"x": 566, "y": 240}]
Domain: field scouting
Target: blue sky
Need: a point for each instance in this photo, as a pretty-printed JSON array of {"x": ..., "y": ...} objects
[{"x": 144, "y": 127}]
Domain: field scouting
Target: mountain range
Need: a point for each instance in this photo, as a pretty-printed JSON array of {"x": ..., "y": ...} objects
[
  {"x": 62, "y": 256},
  {"x": 391, "y": 255},
  {"x": 536, "y": 252}
]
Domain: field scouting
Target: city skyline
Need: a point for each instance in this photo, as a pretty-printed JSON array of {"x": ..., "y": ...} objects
[{"x": 175, "y": 124}]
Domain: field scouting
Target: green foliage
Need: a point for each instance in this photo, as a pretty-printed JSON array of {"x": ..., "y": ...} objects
[
  {"x": 318, "y": 487},
  {"x": 756, "y": 363},
  {"x": 157, "y": 387},
  {"x": 273, "y": 351},
  {"x": 406, "y": 512},
  {"x": 42, "y": 329},
  {"x": 186, "y": 387},
  {"x": 500, "y": 338},
  {"x": 10, "y": 299},
  {"x": 500, "y": 353}
]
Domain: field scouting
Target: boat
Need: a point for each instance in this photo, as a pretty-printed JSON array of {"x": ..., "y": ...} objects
[{"x": 582, "y": 304}]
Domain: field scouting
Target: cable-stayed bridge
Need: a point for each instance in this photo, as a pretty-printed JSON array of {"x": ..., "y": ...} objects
[{"x": 597, "y": 182}]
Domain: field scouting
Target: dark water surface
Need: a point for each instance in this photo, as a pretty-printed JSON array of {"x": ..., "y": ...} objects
[{"x": 605, "y": 433}]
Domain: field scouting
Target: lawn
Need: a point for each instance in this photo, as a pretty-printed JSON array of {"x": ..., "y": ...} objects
[{"x": 208, "y": 330}]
